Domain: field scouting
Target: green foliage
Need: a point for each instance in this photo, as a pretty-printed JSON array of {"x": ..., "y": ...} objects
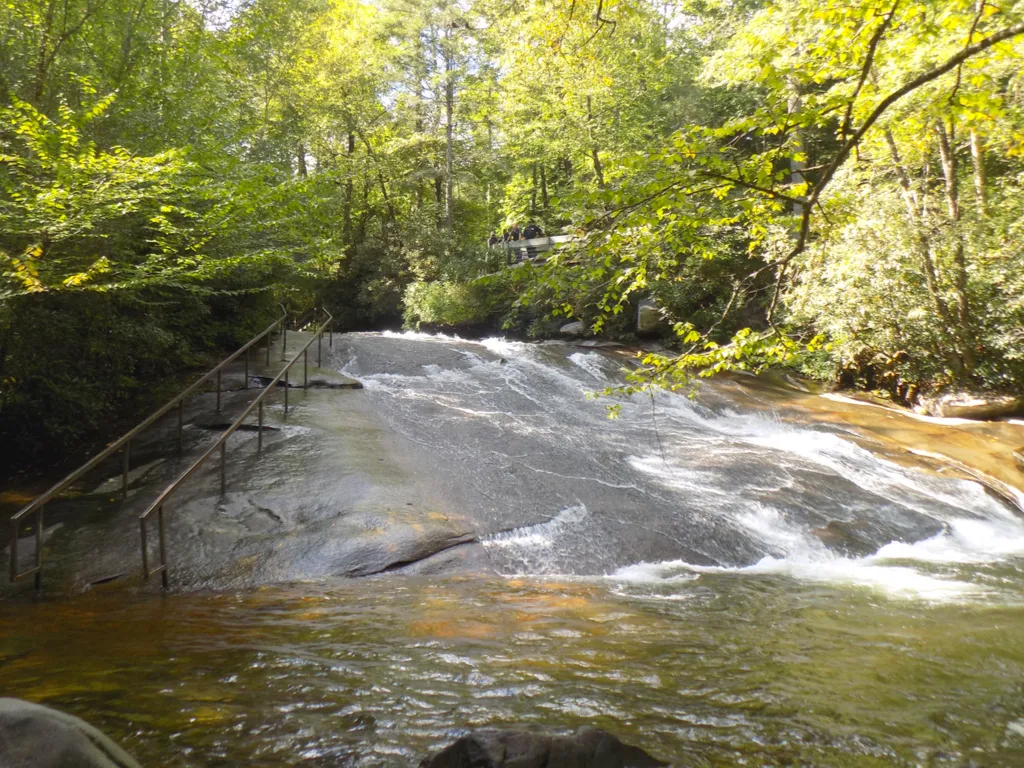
[
  {"x": 863, "y": 285},
  {"x": 821, "y": 187},
  {"x": 766, "y": 171},
  {"x": 443, "y": 304}
]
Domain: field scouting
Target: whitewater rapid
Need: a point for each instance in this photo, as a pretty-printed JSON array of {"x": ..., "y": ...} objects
[{"x": 673, "y": 489}]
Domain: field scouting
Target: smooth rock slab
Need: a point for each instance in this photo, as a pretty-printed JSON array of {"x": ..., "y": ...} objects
[
  {"x": 969, "y": 405},
  {"x": 34, "y": 736},
  {"x": 586, "y": 748}
]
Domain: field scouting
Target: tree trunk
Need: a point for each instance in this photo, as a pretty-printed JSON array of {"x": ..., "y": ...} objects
[
  {"x": 43, "y": 65},
  {"x": 439, "y": 196},
  {"x": 959, "y": 256},
  {"x": 980, "y": 182},
  {"x": 449, "y": 150},
  {"x": 949, "y": 169},
  {"x": 347, "y": 215},
  {"x": 796, "y": 167},
  {"x": 361, "y": 227},
  {"x": 594, "y": 154},
  {"x": 533, "y": 190},
  {"x": 303, "y": 168},
  {"x": 931, "y": 279},
  {"x": 909, "y": 195},
  {"x": 543, "y": 187},
  {"x": 392, "y": 216}
]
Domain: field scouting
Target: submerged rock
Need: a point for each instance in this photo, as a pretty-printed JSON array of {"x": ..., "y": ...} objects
[
  {"x": 970, "y": 405},
  {"x": 586, "y": 748},
  {"x": 34, "y": 736}
]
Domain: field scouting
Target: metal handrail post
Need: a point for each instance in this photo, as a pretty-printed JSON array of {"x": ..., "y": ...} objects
[
  {"x": 38, "y": 580},
  {"x": 284, "y": 344},
  {"x": 319, "y": 355},
  {"x": 145, "y": 547},
  {"x": 163, "y": 546},
  {"x": 286, "y": 386},
  {"x": 37, "y": 569},
  {"x": 181, "y": 424},
  {"x": 125, "y": 460},
  {"x": 259, "y": 432},
  {"x": 223, "y": 467},
  {"x": 246, "y": 383},
  {"x": 14, "y": 551},
  {"x": 305, "y": 368}
]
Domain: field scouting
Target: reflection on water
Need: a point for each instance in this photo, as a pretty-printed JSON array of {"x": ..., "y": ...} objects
[{"x": 707, "y": 669}]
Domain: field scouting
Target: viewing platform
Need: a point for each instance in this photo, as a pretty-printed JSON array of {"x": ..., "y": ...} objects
[{"x": 531, "y": 248}]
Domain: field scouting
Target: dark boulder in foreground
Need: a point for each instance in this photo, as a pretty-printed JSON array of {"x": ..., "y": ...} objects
[
  {"x": 33, "y": 736},
  {"x": 586, "y": 748}
]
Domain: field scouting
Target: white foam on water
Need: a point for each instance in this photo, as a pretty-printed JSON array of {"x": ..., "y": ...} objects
[
  {"x": 898, "y": 569},
  {"x": 673, "y": 571},
  {"x": 420, "y": 336},
  {"x": 507, "y": 348},
  {"x": 839, "y": 456},
  {"x": 540, "y": 536},
  {"x": 894, "y": 581},
  {"x": 591, "y": 363},
  {"x": 965, "y": 541},
  {"x": 771, "y": 527}
]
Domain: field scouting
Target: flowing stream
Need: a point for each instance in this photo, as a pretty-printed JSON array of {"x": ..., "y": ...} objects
[{"x": 713, "y": 584}]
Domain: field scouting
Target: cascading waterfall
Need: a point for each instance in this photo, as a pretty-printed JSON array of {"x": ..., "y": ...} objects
[{"x": 673, "y": 489}]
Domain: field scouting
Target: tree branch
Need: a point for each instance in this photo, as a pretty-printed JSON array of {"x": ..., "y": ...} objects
[
  {"x": 869, "y": 60},
  {"x": 844, "y": 152}
]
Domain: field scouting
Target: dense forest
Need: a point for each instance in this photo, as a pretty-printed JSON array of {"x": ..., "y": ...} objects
[{"x": 832, "y": 186}]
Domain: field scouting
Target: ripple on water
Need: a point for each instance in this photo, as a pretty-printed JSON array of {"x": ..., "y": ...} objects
[{"x": 776, "y": 671}]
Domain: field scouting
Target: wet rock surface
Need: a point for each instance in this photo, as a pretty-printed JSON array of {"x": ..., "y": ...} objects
[
  {"x": 33, "y": 736},
  {"x": 586, "y": 748},
  {"x": 331, "y": 494},
  {"x": 488, "y": 457}
]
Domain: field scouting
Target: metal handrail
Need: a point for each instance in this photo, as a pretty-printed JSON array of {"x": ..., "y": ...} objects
[
  {"x": 221, "y": 443},
  {"x": 305, "y": 318},
  {"x": 38, "y": 504}
]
